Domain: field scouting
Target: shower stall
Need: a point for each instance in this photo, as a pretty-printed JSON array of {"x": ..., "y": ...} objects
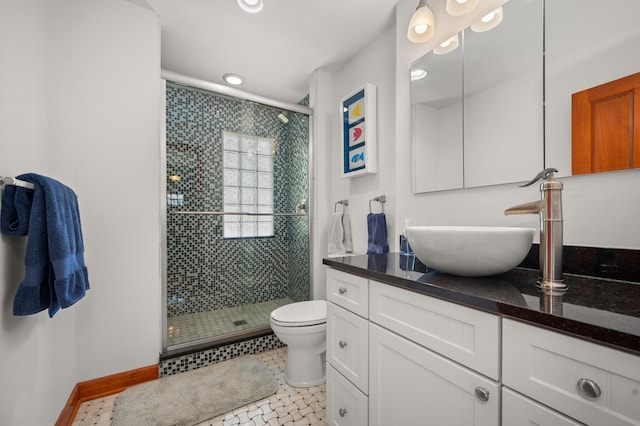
[{"x": 237, "y": 228}]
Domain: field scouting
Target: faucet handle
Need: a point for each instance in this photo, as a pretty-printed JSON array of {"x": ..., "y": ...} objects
[{"x": 546, "y": 174}]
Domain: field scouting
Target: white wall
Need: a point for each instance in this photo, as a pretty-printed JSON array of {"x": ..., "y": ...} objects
[
  {"x": 371, "y": 65},
  {"x": 116, "y": 134},
  {"x": 37, "y": 355},
  {"x": 78, "y": 102}
]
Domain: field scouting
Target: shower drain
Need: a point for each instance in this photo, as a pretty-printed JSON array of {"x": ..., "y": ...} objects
[{"x": 239, "y": 322}]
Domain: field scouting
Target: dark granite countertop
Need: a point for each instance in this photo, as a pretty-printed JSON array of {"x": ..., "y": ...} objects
[{"x": 603, "y": 311}]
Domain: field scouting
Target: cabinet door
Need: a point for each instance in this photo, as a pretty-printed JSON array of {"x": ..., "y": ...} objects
[
  {"x": 346, "y": 405},
  {"x": 410, "y": 385},
  {"x": 520, "y": 411},
  {"x": 588, "y": 382},
  {"x": 347, "y": 345}
]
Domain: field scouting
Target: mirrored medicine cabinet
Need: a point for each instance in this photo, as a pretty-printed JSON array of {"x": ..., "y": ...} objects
[{"x": 498, "y": 109}]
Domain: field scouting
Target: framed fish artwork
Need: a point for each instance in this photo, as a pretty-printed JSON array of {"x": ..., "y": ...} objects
[{"x": 359, "y": 150}]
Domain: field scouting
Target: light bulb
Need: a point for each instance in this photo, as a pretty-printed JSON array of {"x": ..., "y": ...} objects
[
  {"x": 233, "y": 79},
  {"x": 460, "y": 7},
  {"x": 421, "y": 24},
  {"x": 251, "y": 6},
  {"x": 488, "y": 17},
  {"x": 449, "y": 45},
  {"x": 488, "y": 21},
  {"x": 417, "y": 74},
  {"x": 420, "y": 29}
]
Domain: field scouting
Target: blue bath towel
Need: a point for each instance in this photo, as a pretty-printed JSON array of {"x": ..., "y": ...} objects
[
  {"x": 55, "y": 273},
  {"x": 377, "y": 228}
]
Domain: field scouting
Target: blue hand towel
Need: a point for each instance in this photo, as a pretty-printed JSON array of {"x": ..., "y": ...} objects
[
  {"x": 55, "y": 273},
  {"x": 377, "y": 227}
]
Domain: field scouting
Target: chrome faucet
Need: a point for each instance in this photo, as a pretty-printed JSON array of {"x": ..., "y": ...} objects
[{"x": 550, "y": 209}]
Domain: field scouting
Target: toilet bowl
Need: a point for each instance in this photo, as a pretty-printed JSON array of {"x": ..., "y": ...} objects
[{"x": 302, "y": 326}]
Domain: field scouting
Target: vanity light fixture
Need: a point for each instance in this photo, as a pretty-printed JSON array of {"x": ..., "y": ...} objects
[
  {"x": 449, "y": 45},
  {"x": 488, "y": 21},
  {"x": 251, "y": 6},
  {"x": 422, "y": 23},
  {"x": 460, "y": 7},
  {"x": 233, "y": 79},
  {"x": 417, "y": 74}
]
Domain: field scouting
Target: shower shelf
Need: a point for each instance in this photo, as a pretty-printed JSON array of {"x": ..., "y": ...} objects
[{"x": 238, "y": 213}]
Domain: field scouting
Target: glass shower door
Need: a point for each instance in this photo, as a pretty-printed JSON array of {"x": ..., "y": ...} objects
[{"x": 237, "y": 243}]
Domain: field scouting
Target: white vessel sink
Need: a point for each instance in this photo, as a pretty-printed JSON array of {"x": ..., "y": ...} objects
[{"x": 470, "y": 251}]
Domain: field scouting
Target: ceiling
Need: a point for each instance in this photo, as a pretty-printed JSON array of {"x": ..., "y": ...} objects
[{"x": 275, "y": 50}]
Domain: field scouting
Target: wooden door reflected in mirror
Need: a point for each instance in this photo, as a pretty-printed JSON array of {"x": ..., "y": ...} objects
[{"x": 606, "y": 127}]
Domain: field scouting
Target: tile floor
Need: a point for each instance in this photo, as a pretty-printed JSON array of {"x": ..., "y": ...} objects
[
  {"x": 289, "y": 406},
  {"x": 202, "y": 325}
]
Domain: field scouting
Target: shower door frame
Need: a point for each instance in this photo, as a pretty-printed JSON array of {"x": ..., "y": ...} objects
[{"x": 219, "y": 89}]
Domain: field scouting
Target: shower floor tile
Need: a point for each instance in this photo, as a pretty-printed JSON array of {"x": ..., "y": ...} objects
[
  {"x": 202, "y": 325},
  {"x": 288, "y": 406}
]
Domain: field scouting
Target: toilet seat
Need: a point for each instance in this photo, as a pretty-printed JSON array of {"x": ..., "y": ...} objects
[{"x": 300, "y": 314}]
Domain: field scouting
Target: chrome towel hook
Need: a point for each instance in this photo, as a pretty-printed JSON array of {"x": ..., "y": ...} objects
[{"x": 344, "y": 203}]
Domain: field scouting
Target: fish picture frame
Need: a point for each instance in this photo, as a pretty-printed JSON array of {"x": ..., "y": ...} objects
[{"x": 359, "y": 132}]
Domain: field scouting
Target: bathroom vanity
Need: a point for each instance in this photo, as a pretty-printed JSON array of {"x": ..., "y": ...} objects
[{"x": 406, "y": 347}]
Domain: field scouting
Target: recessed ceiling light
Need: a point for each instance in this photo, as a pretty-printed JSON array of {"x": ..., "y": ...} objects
[
  {"x": 251, "y": 6},
  {"x": 233, "y": 79},
  {"x": 417, "y": 74}
]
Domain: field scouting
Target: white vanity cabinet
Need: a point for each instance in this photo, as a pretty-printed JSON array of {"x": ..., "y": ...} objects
[
  {"x": 397, "y": 357},
  {"x": 347, "y": 349},
  {"x": 420, "y": 350},
  {"x": 590, "y": 383}
]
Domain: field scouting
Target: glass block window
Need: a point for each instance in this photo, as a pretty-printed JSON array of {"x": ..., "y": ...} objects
[{"x": 247, "y": 185}]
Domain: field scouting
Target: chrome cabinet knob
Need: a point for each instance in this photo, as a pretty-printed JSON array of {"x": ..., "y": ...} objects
[
  {"x": 342, "y": 290},
  {"x": 342, "y": 412},
  {"x": 342, "y": 344},
  {"x": 588, "y": 389},
  {"x": 482, "y": 394}
]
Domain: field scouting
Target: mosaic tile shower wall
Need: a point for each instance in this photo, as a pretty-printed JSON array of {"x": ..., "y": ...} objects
[{"x": 205, "y": 271}]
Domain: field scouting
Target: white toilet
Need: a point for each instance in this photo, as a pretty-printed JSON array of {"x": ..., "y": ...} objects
[{"x": 302, "y": 326}]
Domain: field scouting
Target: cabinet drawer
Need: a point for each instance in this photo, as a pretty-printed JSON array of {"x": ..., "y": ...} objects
[
  {"x": 410, "y": 385},
  {"x": 346, "y": 405},
  {"x": 520, "y": 411},
  {"x": 349, "y": 291},
  {"x": 465, "y": 335},
  {"x": 347, "y": 345},
  {"x": 550, "y": 368}
]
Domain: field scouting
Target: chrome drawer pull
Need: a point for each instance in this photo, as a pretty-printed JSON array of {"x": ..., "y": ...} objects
[
  {"x": 342, "y": 344},
  {"x": 588, "y": 389},
  {"x": 342, "y": 290},
  {"x": 482, "y": 394},
  {"x": 342, "y": 412}
]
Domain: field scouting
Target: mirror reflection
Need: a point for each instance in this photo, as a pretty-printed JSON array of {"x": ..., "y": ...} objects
[
  {"x": 503, "y": 89},
  {"x": 587, "y": 44},
  {"x": 477, "y": 115},
  {"x": 437, "y": 121}
]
